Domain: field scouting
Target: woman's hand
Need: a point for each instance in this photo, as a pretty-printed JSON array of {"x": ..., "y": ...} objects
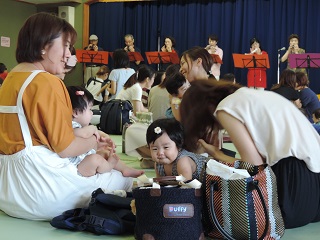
[
  {"x": 105, "y": 142},
  {"x": 215, "y": 152}
]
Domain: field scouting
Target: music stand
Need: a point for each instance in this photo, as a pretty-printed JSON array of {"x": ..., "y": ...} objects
[
  {"x": 86, "y": 56},
  {"x": 135, "y": 56},
  {"x": 162, "y": 57},
  {"x": 304, "y": 60},
  {"x": 216, "y": 58},
  {"x": 251, "y": 61}
]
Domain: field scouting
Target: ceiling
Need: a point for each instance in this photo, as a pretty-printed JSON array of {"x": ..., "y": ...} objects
[{"x": 36, "y": 2}]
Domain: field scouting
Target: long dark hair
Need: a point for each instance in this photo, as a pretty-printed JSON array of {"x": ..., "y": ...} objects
[
  {"x": 197, "y": 107},
  {"x": 287, "y": 79},
  {"x": 302, "y": 79},
  {"x": 120, "y": 59},
  {"x": 143, "y": 72}
]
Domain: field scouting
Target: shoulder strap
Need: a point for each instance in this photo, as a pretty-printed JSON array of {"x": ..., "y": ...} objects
[
  {"x": 18, "y": 109},
  {"x": 94, "y": 79}
]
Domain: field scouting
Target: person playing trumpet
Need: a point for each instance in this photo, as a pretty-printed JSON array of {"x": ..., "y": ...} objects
[
  {"x": 257, "y": 76},
  {"x": 293, "y": 49},
  {"x": 92, "y": 67},
  {"x": 130, "y": 47}
]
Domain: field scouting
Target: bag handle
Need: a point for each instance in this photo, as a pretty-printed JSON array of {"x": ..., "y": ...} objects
[
  {"x": 167, "y": 180},
  {"x": 215, "y": 219}
]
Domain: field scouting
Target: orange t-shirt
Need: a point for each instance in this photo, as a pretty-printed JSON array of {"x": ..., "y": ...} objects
[{"x": 48, "y": 110}]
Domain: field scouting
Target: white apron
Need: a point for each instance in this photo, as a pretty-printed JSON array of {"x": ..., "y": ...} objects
[{"x": 37, "y": 184}]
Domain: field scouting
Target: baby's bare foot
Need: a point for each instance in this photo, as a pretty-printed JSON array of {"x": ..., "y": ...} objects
[{"x": 131, "y": 172}]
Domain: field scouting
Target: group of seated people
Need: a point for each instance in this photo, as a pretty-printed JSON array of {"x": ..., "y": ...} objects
[
  {"x": 294, "y": 86},
  {"x": 160, "y": 93},
  {"x": 177, "y": 128},
  {"x": 40, "y": 165},
  {"x": 3, "y": 72}
]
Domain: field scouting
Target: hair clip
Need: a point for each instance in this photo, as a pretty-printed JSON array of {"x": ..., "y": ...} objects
[
  {"x": 79, "y": 93},
  {"x": 157, "y": 130}
]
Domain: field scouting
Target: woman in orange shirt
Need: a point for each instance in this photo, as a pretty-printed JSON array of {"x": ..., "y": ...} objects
[{"x": 36, "y": 133}]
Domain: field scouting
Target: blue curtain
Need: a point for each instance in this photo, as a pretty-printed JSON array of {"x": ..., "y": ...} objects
[{"x": 234, "y": 21}]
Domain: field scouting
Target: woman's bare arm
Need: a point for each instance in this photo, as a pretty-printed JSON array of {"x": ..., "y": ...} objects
[
  {"x": 240, "y": 137},
  {"x": 138, "y": 106},
  {"x": 113, "y": 88},
  {"x": 79, "y": 146}
]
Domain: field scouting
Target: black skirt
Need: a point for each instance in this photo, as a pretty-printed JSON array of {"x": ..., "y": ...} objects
[{"x": 298, "y": 192}]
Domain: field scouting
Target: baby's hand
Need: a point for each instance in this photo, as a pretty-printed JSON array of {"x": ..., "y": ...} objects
[{"x": 106, "y": 142}]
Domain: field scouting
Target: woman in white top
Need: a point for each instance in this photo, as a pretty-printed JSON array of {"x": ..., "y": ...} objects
[
  {"x": 121, "y": 72},
  {"x": 132, "y": 89},
  {"x": 94, "y": 86},
  {"x": 265, "y": 128}
]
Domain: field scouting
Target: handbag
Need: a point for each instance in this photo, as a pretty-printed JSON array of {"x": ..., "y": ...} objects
[
  {"x": 245, "y": 208},
  {"x": 114, "y": 114},
  {"x": 168, "y": 213}
]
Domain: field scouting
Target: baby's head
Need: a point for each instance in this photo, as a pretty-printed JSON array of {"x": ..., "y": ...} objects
[
  {"x": 172, "y": 127},
  {"x": 177, "y": 84},
  {"x": 316, "y": 115},
  {"x": 81, "y": 98}
]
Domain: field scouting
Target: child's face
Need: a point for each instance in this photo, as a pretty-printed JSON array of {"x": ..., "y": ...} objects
[
  {"x": 315, "y": 120},
  {"x": 84, "y": 118},
  {"x": 164, "y": 150}
]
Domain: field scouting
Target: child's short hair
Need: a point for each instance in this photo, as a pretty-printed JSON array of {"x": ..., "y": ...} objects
[
  {"x": 2, "y": 67},
  {"x": 174, "y": 82},
  {"x": 317, "y": 113},
  {"x": 170, "y": 126},
  {"x": 80, "y": 98},
  {"x": 228, "y": 77}
]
